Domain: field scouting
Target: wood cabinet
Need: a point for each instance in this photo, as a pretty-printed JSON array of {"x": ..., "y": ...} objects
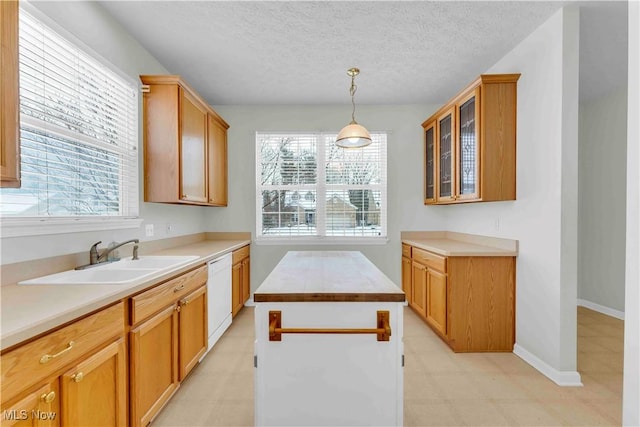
[
  {"x": 185, "y": 145},
  {"x": 419, "y": 288},
  {"x": 40, "y": 408},
  {"x": 406, "y": 272},
  {"x": 240, "y": 279},
  {"x": 75, "y": 375},
  {"x": 470, "y": 144},
  {"x": 154, "y": 365},
  {"x": 192, "y": 321},
  {"x": 217, "y": 155},
  {"x": 94, "y": 392},
  {"x": 168, "y": 337},
  {"x": 469, "y": 301},
  {"x": 9, "y": 96}
]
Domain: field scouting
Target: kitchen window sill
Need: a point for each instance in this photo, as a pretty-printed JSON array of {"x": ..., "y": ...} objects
[{"x": 20, "y": 227}]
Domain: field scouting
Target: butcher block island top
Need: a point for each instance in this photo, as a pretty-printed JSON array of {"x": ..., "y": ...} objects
[{"x": 327, "y": 276}]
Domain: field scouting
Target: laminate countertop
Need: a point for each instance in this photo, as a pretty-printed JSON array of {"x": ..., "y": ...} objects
[
  {"x": 447, "y": 243},
  {"x": 29, "y": 310},
  {"x": 327, "y": 276}
]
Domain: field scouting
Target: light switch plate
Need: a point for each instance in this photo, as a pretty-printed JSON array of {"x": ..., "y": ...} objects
[{"x": 148, "y": 230}]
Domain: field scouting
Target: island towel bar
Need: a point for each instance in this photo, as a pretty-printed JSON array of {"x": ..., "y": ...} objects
[{"x": 383, "y": 331}]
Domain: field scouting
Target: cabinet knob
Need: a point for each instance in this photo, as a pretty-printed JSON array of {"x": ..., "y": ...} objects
[
  {"x": 48, "y": 397},
  {"x": 78, "y": 377},
  {"x": 184, "y": 302}
]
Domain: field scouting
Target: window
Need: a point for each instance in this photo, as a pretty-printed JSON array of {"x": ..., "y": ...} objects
[
  {"x": 308, "y": 188},
  {"x": 78, "y": 133}
]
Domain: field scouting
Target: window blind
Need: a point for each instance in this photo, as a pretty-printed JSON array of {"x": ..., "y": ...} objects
[
  {"x": 78, "y": 132},
  {"x": 307, "y": 187}
]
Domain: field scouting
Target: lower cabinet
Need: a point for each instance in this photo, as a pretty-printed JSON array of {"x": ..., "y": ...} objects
[
  {"x": 39, "y": 408},
  {"x": 419, "y": 288},
  {"x": 469, "y": 301},
  {"x": 166, "y": 345},
  {"x": 192, "y": 330},
  {"x": 94, "y": 392},
  {"x": 154, "y": 365},
  {"x": 406, "y": 278},
  {"x": 241, "y": 279},
  {"x": 73, "y": 376},
  {"x": 436, "y": 304}
]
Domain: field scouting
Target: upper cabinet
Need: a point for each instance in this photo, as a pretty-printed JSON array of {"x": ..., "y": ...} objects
[
  {"x": 185, "y": 145},
  {"x": 470, "y": 144},
  {"x": 9, "y": 92}
]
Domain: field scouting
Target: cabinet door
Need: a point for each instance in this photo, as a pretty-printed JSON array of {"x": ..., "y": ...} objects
[
  {"x": 468, "y": 147},
  {"x": 193, "y": 329},
  {"x": 246, "y": 280},
  {"x": 9, "y": 94},
  {"x": 236, "y": 288},
  {"x": 406, "y": 278},
  {"x": 446, "y": 156},
  {"x": 437, "y": 300},
  {"x": 419, "y": 287},
  {"x": 40, "y": 408},
  {"x": 94, "y": 393},
  {"x": 430, "y": 163},
  {"x": 193, "y": 171},
  {"x": 217, "y": 161},
  {"x": 154, "y": 365}
]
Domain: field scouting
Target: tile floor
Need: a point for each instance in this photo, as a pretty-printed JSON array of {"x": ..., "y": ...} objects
[{"x": 442, "y": 388}]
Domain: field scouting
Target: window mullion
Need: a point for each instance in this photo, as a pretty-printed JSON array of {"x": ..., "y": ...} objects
[{"x": 321, "y": 222}]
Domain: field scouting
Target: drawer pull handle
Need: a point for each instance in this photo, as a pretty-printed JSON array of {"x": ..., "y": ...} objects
[
  {"x": 77, "y": 377},
  {"x": 383, "y": 329},
  {"x": 48, "y": 397},
  {"x": 47, "y": 357},
  {"x": 178, "y": 289}
]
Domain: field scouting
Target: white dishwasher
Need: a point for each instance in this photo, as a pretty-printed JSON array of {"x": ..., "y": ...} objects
[{"x": 219, "y": 298}]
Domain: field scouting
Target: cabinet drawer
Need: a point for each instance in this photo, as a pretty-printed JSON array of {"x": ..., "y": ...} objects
[
  {"x": 406, "y": 250},
  {"x": 42, "y": 358},
  {"x": 430, "y": 259},
  {"x": 149, "y": 302},
  {"x": 240, "y": 254}
]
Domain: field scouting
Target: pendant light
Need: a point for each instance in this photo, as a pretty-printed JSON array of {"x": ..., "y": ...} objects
[{"x": 353, "y": 135}]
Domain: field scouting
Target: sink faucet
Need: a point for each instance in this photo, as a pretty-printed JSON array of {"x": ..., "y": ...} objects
[{"x": 95, "y": 258}]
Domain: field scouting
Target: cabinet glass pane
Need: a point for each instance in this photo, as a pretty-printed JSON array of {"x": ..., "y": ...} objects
[
  {"x": 430, "y": 164},
  {"x": 445, "y": 157},
  {"x": 468, "y": 147}
]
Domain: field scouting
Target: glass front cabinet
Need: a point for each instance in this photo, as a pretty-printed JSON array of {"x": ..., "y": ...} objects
[{"x": 470, "y": 144}]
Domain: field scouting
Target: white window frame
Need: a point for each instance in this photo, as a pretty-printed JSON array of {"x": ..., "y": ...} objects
[
  {"x": 16, "y": 226},
  {"x": 320, "y": 188}
]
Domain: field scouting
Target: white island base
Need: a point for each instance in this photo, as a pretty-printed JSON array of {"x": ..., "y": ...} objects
[{"x": 324, "y": 377}]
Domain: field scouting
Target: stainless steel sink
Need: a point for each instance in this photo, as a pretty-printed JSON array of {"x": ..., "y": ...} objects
[{"x": 123, "y": 272}]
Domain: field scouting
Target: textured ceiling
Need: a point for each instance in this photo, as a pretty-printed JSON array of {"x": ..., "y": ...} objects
[{"x": 271, "y": 52}]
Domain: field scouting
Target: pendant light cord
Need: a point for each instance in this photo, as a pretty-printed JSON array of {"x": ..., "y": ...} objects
[{"x": 352, "y": 91}]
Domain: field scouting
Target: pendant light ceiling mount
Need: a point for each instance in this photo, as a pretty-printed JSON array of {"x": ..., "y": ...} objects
[{"x": 353, "y": 135}]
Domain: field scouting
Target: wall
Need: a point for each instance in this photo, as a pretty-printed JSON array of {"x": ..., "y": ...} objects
[
  {"x": 631, "y": 391},
  {"x": 91, "y": 24},
  {"x": 544, "y": 216},
  {"x": 406, "y": 210},
  {"x": 602, "y": 201}
]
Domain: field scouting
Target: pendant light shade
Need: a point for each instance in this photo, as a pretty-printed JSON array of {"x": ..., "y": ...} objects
[{"x": 353, "y": 135}]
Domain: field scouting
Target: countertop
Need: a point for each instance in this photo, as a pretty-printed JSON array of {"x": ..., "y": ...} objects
[
  {"x": 319, "y": 276},
  {"x": 457, "y": 244},
  {"x": 28, "y": 311}
]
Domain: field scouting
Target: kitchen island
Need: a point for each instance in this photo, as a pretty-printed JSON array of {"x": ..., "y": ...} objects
[{"x": 329, "y": 349}]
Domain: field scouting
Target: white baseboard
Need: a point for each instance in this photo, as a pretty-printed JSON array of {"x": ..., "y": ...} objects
[
  {"x": 563, "y": 378},
  {"x": 601, "y": 309},
  {"x": 249, "y": 302}
]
